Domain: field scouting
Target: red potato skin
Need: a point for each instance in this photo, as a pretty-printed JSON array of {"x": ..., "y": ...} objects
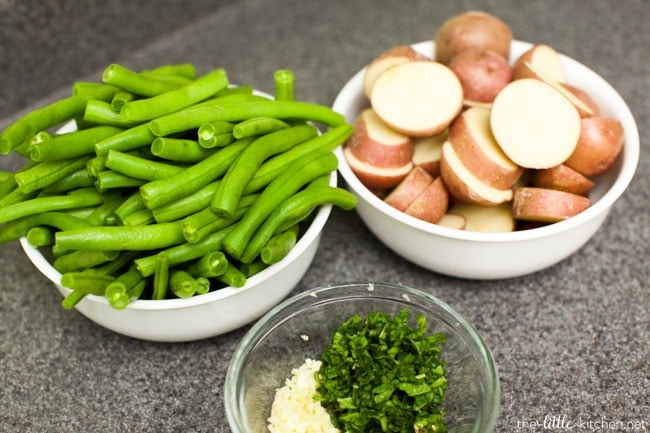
[
  {"x": 482, "y": 74},
  {"x": 366, "y": 145},
  {"x": 431, "y": 205},
  {"x": 475, "y": 30},
  {"x": 561, "y": 178},
  {"x": 374, "y": 178},
  {"x": 585, "y": 98},
  {"x": 417, "y": 181},
  {"x": 546, "y": 205},
  {"x": 601, "y": 141}
]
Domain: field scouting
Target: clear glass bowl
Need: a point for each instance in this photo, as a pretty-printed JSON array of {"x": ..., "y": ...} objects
[{"x": 300, "y": 327}]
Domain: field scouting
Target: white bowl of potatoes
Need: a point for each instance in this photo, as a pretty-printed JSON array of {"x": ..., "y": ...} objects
[{"x": 513, "y": 168}]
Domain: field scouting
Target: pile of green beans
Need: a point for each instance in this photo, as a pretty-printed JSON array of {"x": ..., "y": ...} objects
[{"x": 169, "y": 185}]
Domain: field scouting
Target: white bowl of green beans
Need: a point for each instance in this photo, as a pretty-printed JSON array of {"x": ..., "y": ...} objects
[{"x": 172, "y": 206}]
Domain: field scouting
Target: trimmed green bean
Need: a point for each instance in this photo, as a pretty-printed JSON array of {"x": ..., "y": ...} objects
[
  {"x": 139, "y": 168},
  {"x": 17, "y": 196},
  {"x": 131, "y": 238},
  {"x": 46, "y": 173},
  {"x": 250, "y": 269},
  {"x": 134, "y": 82},
  {"x": 139, "y": 218},
  {"x": 293, "y": 210},
  {"x": 183, "y": 70},
  {"x": 162, "y": 191},
  {"x": 48, "y": 116},
  {"x": 284, "y": 85},
  {"x": 232, "y": 277},
  {"x": 102, "y": 214},
  {"x": 40, "y": 236},
  {"x": 131, "y": 204},
  {"x": 85, "y": 198},
  {"x": 8, "y": 185},
  {"x": 96, "y": 165},
  {"x": 78, "y": 179},
  {"x": 110, "y": 179},
  {"x": 129, "y": 139},
  {"x": 5, "y": 175},
  {"x": 183, "y": 284},
  {"x": 258, "y": 126},
  {"x": 279, "y": 245},
  {"x": 186, "y": 206},
  {"x": 121, "y": 98},
  {"x": 118, "y": 293},
  {"x": 72, "y": 299},
  {"x": 216, "y": 134},
  {"x": 193, "y": 117},
  {"x": 179, "y": 150},
  {"x": 72, "y": 144},
  {"x": 82, "y": 259},
  {"x": 201, "y": 224},
  {"x": 88, "y": 283},
  {"x": 243, "y": 168},
  {"x": 202, "y": 285},
  {"x": 174, "y": 100},
  {"x": 161, "y": 277},
  {"x": 102, "y": 113},
  {"x": 210, "y": 265},
  {"x": 86, "y": 87}
]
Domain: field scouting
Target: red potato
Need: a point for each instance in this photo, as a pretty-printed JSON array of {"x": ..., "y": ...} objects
[
  {"x": 453, "y": 221},
  {"x": 562, "y": 178},
  {"x": 482, "y": 74},
  {"x": 540, "y": 61},
  {"x": 418, "y": 98},
  {"x": 601, "y": 141},
  {"x": 473, "y": 142},
  {"x": 472, "y": 30},
  {"x": 431, "y": 204},
  {"x": 592, "y": 109},
  {"x": 546, "y": 205},
  {"x": 376, "y": 178},
  {"x": 390, "y": 57},
  {"x": 494, "y": 219},
  {"x": 427, "y": 151},
  {"x": 377, "y": 144},
  {"x": 534, "y": 124},
  {"x": 464, "y": 186},
  {"x": 414, "y": 184}
]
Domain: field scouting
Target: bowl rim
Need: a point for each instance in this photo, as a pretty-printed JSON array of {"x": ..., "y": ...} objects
[
  {"x": 256, "y": 333},
  {"x": 629, "y": 161},
  {"x": 310, "y": 235}
]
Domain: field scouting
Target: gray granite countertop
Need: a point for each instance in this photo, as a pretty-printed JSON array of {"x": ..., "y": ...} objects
[{"x": 570, "y": 341}]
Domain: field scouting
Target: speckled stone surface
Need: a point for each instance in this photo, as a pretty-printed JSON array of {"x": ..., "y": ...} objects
[{"x": 570, "y": 342}]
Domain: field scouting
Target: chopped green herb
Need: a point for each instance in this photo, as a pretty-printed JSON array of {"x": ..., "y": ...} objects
[{"x": 381, "y": 375}]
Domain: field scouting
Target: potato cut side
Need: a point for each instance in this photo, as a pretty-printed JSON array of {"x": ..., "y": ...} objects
[
  {"x": 427, "y": 151},
  {"x": 540, "y": 61},
  {"x": 464, "y": 186},
  {"x": 376, "y": 178},
  {"x": 546, "y": 205},
  {"x": 391, "y": 57},
  {"x": 495, "y": 219},
  {"x": 534, "y": 124},
  {"x": 418, "y": 98},
  {"x": 453, "y": 221},
  {"x": 472, "y": 138}
]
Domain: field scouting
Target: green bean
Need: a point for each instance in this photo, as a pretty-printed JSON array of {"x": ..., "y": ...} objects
[
  {"x": 258, "y": 126},
  {"x": 299, "y": 174},
  {"x": 210, "y": 265},
  {"x": 250, "y": 269},
  {"x": 16, "y": 228},
  {"x": 180, "y": 150},
  {"x": 102, "y": 113},
  {"x": 284, "y": 85},
  {"x": 86, "y": 87},
  {"x": 129, "y": 139},
  {"x": 243, "y": 168},
  {"x": 232, "y": 276},
  {"x": 40, "y": 237},
  {"x": 116, "y": 290},
  {"x": 72, "y": 144},
  {"x": 5, "y": 175},
  {"x": 121, "y": 98},
  {"x": 96, "y": 165},
  {"x": 174, "y": 100},
  {"x": 139, "y": 168},
  {"x": 183, "y": 70},
  {"x": 279, "y": 245},
  {"x": 48, "y": 172},
  {"x": 48, "y": 116},
  {"x": 193, "y": 117},
  {"x": 102, "y": 214},
  {"x": 186, "y": 206},
  {"x": 89, "y": 283},
  {"x": 82, "y": 259},
  {"x": 139, "y": 218},
  {"x": 134, "y": 82},
  {"x": 161, "y": 277},
  {"x": 84, "y": 198},
  {"x": 202, "y": 285},
  {"x": 17, "y": 196},
  {"x": 215, "y": 134},
  {"x": 110, "y": 179},
  {"x": 78, "y": 179},
  {"x": 72, "y": 299},
  {"x": 8, "y": 185},
  {"x": 184, "y": 252},
  {"x": 183, "y": 284},
  {"x": 293, "y": 210},
  {"x": 131, "y": 204},
  {"x": 201, "y": 224},
  {"x": 132, "y": 238},
  {"x": 162, "y": 191}
]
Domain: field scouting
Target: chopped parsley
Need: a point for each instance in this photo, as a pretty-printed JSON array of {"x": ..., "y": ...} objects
[{"x": 380, "y": 375}]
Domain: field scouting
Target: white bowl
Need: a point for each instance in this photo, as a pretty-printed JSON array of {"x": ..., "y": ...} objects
[
  {"x": 486, "y": 256},
  {"x": 206, "y": 315}
]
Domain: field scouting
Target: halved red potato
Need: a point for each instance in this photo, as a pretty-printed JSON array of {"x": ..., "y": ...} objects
[
  {"x": 390, "y": 57},
  {"x": 414, "y": 184},
  {"x": 482, "y": 74},
  {"x": 377, "y": 144},
  {"x": 540, "y": 61},
  {"x": 563, "y": 178},
  {"x": 471, "y": 136},
  {"x": 546, "y": 205},
  {"x": 418, "y": 98},
  {"x": 464, "y": 186},
  {"x": 493, "y": 219},
  {"x": 431, "y": 204},
  {"x": 427, "y": 151},
  {"x": 588, "y": 106},
  {"x": 601, "y": 141},
  {"x": 535, "y": 125},
  {"x": 472, "y": 29},
  {"x": 376, "y": 178}
]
